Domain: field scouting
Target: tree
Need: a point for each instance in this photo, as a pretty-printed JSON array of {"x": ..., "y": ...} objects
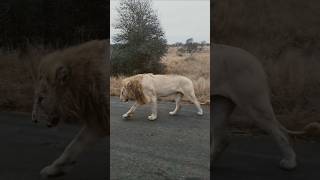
[
  {"x": 178, "y": 44},
  {"x": 140, "y": 43},
  {"x": 191, "y": 46},
  {"x": 189, "y": 41},
  {"x": 202, "y": 45}
]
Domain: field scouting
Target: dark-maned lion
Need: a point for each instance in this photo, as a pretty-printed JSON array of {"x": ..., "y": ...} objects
[{"x": 72, "y": 85}]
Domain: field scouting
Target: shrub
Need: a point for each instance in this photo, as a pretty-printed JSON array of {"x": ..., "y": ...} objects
[{"x": 140, "y": 43}]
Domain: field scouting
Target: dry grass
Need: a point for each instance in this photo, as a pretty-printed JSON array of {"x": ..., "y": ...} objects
[
  {"x": 295, "y": 87},
  {"x": 17, "y": 72},
  {"x": 196, "y": 67},
  {"x": 115, "y": 85}
]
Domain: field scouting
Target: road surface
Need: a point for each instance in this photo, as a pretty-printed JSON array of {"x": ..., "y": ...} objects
[
  {"x": 27, "y": 147},
  {"x": 169, "y": 148},
  {"x": 257, "y": 158}
]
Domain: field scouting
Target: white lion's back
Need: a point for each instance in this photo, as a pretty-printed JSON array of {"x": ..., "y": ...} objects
[{"x": 168, "y": 84}]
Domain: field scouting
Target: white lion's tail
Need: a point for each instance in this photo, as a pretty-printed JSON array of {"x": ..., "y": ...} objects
[{"x": 310, "y": 129}]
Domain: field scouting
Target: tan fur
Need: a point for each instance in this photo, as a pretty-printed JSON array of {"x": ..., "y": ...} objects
[
  {"x": 134, "y": 88},
  {"x": 73, "y": 86}
]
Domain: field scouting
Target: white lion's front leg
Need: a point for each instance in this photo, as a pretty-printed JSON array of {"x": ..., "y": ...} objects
[
  {"x": 154, "y": 108},
  {"x": 84, "y": 139},
  {"x": 178, "y": 99},
  {"x": 131, "y": 110}
]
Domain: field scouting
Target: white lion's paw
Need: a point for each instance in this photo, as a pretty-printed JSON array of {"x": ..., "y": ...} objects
[
  {"x": 200, "y": 113},
  {"x": 152, "y": 117},
  {"x": 288, "y": 164},
  {"x": 51, "y": 171},
  {"x": 172, "y": 113},
  {"x": 126, "y": 116}
]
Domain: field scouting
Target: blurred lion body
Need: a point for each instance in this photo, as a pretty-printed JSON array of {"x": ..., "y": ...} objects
[
  {"x": 72, "y": 86},
  {"x": 145, "y": 88},
  {"x": 239, "y": 81},
  {"x": 85, "y": 93}
]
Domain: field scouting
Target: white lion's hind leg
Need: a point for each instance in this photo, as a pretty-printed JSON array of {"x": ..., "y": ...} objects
[
  {"x": 265, "y": 118},
  {"x": 51, "y": 171},
  {"x": 178, "y": 99},
  {"x": 221, "y": 109},
  {"x": 192, "y": 97},
  {"x": 289, "y": 156},
  {"x": 85, "y": 139},
  {"x": 131, "y": 111},
  {"x": 154, "y": 108}
]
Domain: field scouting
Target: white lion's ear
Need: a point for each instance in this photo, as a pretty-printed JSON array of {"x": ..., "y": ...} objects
[
  {"x": 63, "y": 74},
  {"x": 125, "y": 84}
]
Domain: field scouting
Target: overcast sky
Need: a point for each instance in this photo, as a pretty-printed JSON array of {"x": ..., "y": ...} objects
[{"x": 180, "y": 19}]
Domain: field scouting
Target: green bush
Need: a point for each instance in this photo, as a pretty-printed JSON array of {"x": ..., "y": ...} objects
[{"x": 140, "y": 43}]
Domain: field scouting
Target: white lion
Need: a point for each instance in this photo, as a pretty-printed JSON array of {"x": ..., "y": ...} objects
[
  {"x": 145, "y": 88},
  {"x": 238, "y": 79},
  {"x": 72, "y": 86}
]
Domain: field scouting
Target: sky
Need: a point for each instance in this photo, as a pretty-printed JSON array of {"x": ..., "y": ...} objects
[{"x": 180, "y": 19}]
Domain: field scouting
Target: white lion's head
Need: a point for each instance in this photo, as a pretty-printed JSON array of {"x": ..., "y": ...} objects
[
  {"x": 49, "y": 89},
  {"x": 124, "y": 95},
  {"x": 132, "y": 89},
  {"x": 72, "y": 87}
]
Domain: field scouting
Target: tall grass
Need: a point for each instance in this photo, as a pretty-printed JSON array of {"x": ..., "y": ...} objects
[
  {"x": 17, "y": 72},
  {"x": 196, "y": 67}
]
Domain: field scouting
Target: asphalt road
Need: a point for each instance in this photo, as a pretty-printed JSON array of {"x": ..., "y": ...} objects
[
  {"x": 257, "y": 158},
  {"x": 169, "y": 148},
  {"x": 27, "y": 147}
]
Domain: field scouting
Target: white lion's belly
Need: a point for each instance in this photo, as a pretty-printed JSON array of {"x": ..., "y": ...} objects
[
  {"x": 165, "y": 85},
  {"x": 167, "y": 88}
]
